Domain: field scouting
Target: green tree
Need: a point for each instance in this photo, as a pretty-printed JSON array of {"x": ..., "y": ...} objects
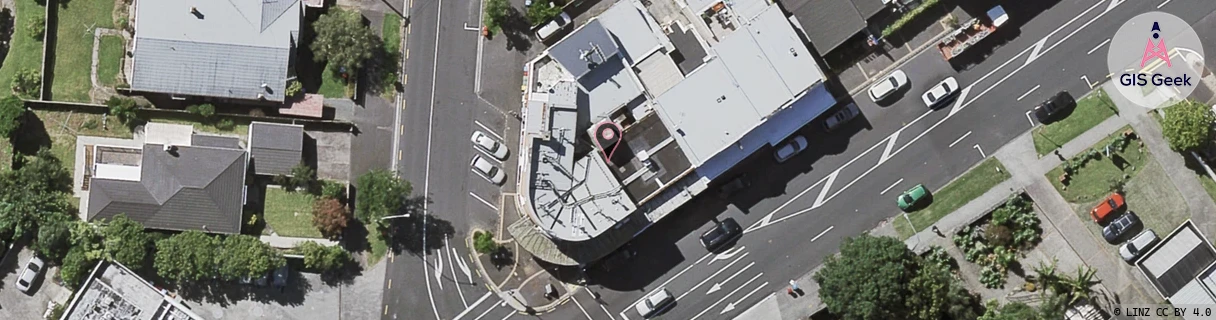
[
  {"x": 54, "y": 237},
  {"x": 1187, "y": 125},
  {"x": 483, "y": 242},
  {"x": 933, "y": 293},
  {"x": 187, "y": 257},
  {"x": 27, "y": 83},
  {"x": 323, "y": 258},
  {"x": 496, "y": 14},
  {"x": 205, "y": 110},
  {"x": 294, "y": 88},
  {"x": 125, "y": 109},
  {"x": 343, "y": 41},
  {"x": 868, "y": 279},
  {"x": 87, "y": 238},
  {"x": 125, "y": 241},
  {"x": 330, "y": 217},
  {"x": 542, "y": 12},
  {"x": 246, "y": 256},
  {"x": 380, "y": 194},
  {"x": 33, "y": 194},
  {"x": 76, "y": 266},
  {"x": 11, "y": 111},
  {"x": 302, "y": 176}
]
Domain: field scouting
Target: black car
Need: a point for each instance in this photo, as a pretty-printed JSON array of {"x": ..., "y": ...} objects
[
  {"x": 1117, "y": 228},
  {"x": 722, "y": 234},
  {"x": 1048, "y": 109}
]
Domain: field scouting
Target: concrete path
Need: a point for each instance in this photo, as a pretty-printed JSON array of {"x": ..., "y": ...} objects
[{"x": 282, "y": 242}]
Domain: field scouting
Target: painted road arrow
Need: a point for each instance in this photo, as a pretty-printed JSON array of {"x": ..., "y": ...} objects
[{"x": 718, "y": 286}]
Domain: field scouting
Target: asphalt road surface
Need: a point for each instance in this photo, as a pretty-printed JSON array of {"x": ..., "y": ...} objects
[{"x": 845, "y": 184}]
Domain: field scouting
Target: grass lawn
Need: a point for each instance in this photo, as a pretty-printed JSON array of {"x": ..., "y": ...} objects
[
  {"x": 965, "y": 188},
  {"x": 25, "y": 52},
  {"x": 391, "y": 32},
  {"x": 332, "y": 85},
  {"x": 74, "y": 47},
  {"x": 379, "y": 246},
  {"x": 109, "y": 60},
  {"x": 1153, "y": 198},
  {"x": 289, "y": 214},
  {"x": 1208, "y": 185},
  {"x": 1090, "y": 111},
  {"x": 62, "y": 127},
  {"x": 1092, "y": 182}
]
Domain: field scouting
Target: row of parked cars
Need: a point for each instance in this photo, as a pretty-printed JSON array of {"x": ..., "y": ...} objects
[
  {"x": 483, "y": 167},
  {"x": 1118, "y": 222}
]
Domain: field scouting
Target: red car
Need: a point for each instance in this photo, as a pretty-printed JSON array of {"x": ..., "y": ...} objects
[{"x": 1108, "y": 208}]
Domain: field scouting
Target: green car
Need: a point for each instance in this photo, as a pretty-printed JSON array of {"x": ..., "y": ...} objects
[{"x": 913, "y": 197}]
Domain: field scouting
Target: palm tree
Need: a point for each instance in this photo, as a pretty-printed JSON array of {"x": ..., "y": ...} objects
[{"x": 1074, "y": 288}]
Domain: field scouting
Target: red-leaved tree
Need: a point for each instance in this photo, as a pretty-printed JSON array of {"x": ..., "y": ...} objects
[{"x": 330, "y": 217}]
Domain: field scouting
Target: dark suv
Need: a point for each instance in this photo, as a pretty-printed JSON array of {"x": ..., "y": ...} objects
[
  {"x": 1045, "y": 111},
  {"x": 721, "y": 235},
  {"x": 1117, "y": 228}
]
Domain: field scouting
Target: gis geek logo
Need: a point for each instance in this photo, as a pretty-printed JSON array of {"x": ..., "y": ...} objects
[{"x": 1149, "y": 71}]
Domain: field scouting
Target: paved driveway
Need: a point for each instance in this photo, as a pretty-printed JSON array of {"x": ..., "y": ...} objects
[{"x": 15, "y": 304}]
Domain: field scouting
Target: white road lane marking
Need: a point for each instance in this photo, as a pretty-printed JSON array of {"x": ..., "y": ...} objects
[
  {"x": 1112, "y": 5},
  {"x": 1023, "y": 96},
  {"x": 483, "y": 313},
  {"x": 491, "y": 132},
  {"x": 607, "y": 313},
  {"x": 731, "y": 306},
  {"x": 426, "y": 180},
  {"x": 439, "y": 270},
  {"x": 703, "y": 281},
  {"x": 718, "y": 286},
  {"x": 580, "y": 308},
  {"x": 509, "y": 315},
  {"x": 664, "y": 284},
  {"x": 483, "y": 201},
  {"x": 825, "y": 231},
  {"x": 732, "y": 292},
  {"x": 468, "y": 308},
  {"x": 1163, "y": 4},
  {"x": 452, "y": 268},
  {"x": 826, "y": 187},
  {"x": 884, "y": 191},
  {"x": 1099, "y": 46},
  {"x": 886, "y": 152},
  {"x": 958, "y": 105},
  {"x": 599, "y": 302},
  {"x": 959, "y": 139},
  {"x": 463, "y": 266},
  {"x": 1087, "y": 83},
  {"x": 725, "y": 255},
  {"x": 1028, "y": 119}
]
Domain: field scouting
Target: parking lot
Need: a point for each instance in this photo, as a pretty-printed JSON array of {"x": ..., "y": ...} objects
[{"x": 15, "y": 304}]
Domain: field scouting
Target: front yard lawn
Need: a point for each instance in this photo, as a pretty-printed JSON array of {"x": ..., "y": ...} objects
[
  {"x": 1153, "y": 198},
  {"x": 1089, "y": 112},
  {"x": 965, "y": 188},
  {"x": 1093, "y": 180},
  {"x": 332, "y": 85},
  {"x": 62, "y": 127},
  {"x": 109, "y": 60},
  {"x": 289, "y": 214},
  {"x": 74, "y": 47},
  {"x": 25, "y": 51}
]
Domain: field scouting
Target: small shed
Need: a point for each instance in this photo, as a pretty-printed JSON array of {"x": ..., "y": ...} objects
[{"x": 275, "y": 148}]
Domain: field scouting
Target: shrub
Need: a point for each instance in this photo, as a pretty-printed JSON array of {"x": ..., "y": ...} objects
[
  {"x": 330, "y": 217},
  {"x": 907, "y": 17},
  {"x": 28, "y": 83},
  {"x": 483, "y": 242},
  {"x": 36, "y": 27},
  {"x": 205, "y": 110},
  {"x": 998, "y": 235},
  {"x": 89, "y": 124},
  {"x": 323, "y": 258},
  {"x": 294, "y": 88},
  {"x": 283, "y": 181},
  {"x": 332, "y": 189},
  {"x": 125, "y": 109},
  {"x": 225, "y": 125}
]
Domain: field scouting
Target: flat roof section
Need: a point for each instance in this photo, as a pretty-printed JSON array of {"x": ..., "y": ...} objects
[
  {"x": 1178, "y": 260},
  {"x": 689, "y": 53},
  {"x": 584, "y": 48},
  {"x": 707, "y": 111},
  {"x": 115, "y": 293},
  {"x": 636, "y": 33},
  {"x": 659, "y": 73},
  {"x": 608, "y": 88}
]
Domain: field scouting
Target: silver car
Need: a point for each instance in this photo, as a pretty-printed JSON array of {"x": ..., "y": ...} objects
[
  {"x": 1136, "y": 247},
  {"x": 487, "y": 170},
  {"x": 940, "y": 92},
  {"x": 32, "y": 270},
  {"x": 485, "y": 143},
  {"x": 885, "y": 87},
  {"x": 654, "y": 303}
]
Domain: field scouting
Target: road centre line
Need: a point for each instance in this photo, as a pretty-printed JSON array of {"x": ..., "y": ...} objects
[
  {"x": 478, "y": 123},
  {"x": 703, "y": 257},
  {"x": 483, "y": 201},
  {"x": 475, "y": 304},
  {"x": 732, "y": 292},
  {"x": 959, "y": 139},
  {"x": 884, "y": 191},
  {"x": 825, "y": 231},
  {"x": 1023, "y": 96},
  {"x": 1099, "y": 46},
  {"x": 703, "y": 281}
]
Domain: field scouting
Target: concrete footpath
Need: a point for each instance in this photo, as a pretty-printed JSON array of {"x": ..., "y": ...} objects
[{"x": 1118, "y": 281}]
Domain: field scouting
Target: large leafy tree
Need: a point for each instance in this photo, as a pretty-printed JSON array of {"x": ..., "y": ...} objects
[
  {"x": 187, "y": 256},
  {"x": 343, "y": 41},
  {"x": 33, "y": 194},
  {"x": 126, "y": 241},
  {"x": 54, "y": 237},
  {"x": 379, "y": 194},
  {"x": 76, "y": 266},
  {"x": 246, "y": 256},
  {"x": 323, "y": 258},
  {"x": 87, "y": 238},
  {"x": 330, "y": 216},
  {"x": 1187, "y": 125},
  {"x": 11, "y": 110}
]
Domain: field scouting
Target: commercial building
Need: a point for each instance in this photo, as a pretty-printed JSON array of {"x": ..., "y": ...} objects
[{"x": 113, "y": 292}]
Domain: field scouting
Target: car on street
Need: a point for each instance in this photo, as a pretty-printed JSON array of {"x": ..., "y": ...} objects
[
  {"x": 790, "y": 148},
  {"x": 841, "y": 117},
  {"x": 1118, "y": 227},
  {"x": 912, "y": 198},
  {"x": 31, "y": 272},
  {"x": 887, "y": 86},
  {"x": 722, "y": 234},
  {"x": 485, "y": 143},
  {"x": 1138, "y": 245},
  {"x": 558, "y": 23},
  {"x": 487, "y": 170},
  {"x": 1108, "y": 208},
  {"x": 1052, "y": 107},
  {"x": 940, "y": 92},
  {"x": 654, "y": 303}
]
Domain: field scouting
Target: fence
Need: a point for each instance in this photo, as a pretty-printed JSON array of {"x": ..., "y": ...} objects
[{"x": 168, "y": 113}]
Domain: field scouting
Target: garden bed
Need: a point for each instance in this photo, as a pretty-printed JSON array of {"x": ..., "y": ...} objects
[
  {"x": 996, "y": 240},
  {"x": 1089, "y": 112},
  {"x": 959, "y": 192}
]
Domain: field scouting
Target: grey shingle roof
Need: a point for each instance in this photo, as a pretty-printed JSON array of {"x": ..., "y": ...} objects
[
  {"x": 275, "y": 148},
  {"x": 199, "y": 187},
  {"x": 828, "y": 23}
]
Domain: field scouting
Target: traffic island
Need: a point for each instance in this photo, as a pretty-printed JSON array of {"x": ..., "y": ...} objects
[{"x": 515, "y": 276}]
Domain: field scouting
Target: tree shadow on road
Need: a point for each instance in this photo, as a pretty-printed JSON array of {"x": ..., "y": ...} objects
[
  {"x": 517, "y": 30},
  {"x": 419, "y": 233}
]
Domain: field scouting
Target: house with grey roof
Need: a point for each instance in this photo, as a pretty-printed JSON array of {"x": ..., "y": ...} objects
[
  {"x": 275, "y": 148},
  {"x": 237, "y": 50},
  {"x": 167, "y": 178}
]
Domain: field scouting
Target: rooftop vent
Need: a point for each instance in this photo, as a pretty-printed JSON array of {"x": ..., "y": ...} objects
[
  {"x": 170, "y": 148},
  {"x": 261, "y": 96}
]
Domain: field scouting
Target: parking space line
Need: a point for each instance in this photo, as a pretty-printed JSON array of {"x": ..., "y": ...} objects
[
  {"x": 1036, "y": 87},
  {"x": 959, "y": 139},
  {"x": 1098, "y": 46},
  {"x": 478, "y": 123},
  {"x": 483, "y": 201},
  {"x": 1163, "y": 4},
  {"x": 580, "y": 308},
  {"x": 825, "y": 231},
  {"x": 884, "y": 191}
]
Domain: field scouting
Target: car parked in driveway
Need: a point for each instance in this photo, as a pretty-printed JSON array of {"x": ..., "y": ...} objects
[
  {"x": 841, "y": 117},
  {"x": 487, "y": 170},
  {"x": 721, "y": 235},
  {"x": 31, "y": 272},
  {"x": 491, "y": 146},
  {"x": 913, "y": 198},
  {"x": 789, "y": 149},
  {"x": 1109, "y": 207},
  {"x": 654, "y": 303},
  {"x": 1118, "y": 227},
  {"x": 940, "y": 92},
  {"x": 558, "y": 23},
  {"x": 1046, "y": 110},
  {"x": 882, "y": 89},
  {"x": 1138, "y": 245}
]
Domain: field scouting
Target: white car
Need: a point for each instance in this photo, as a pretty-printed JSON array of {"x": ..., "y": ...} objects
[
  {"x": 654, "y": 303},
  {"x": 32, "y": 270},
  {"x": 940, "y": 92},
  {"x": 885, "y": 87},
  {"x": 551, "y": 28},
  {"x": 483, "y": 142},
  {"x": 1138, "y": 245},
  {"x": 790, "y": 149},
  {"x": 487, "y": 170}
]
